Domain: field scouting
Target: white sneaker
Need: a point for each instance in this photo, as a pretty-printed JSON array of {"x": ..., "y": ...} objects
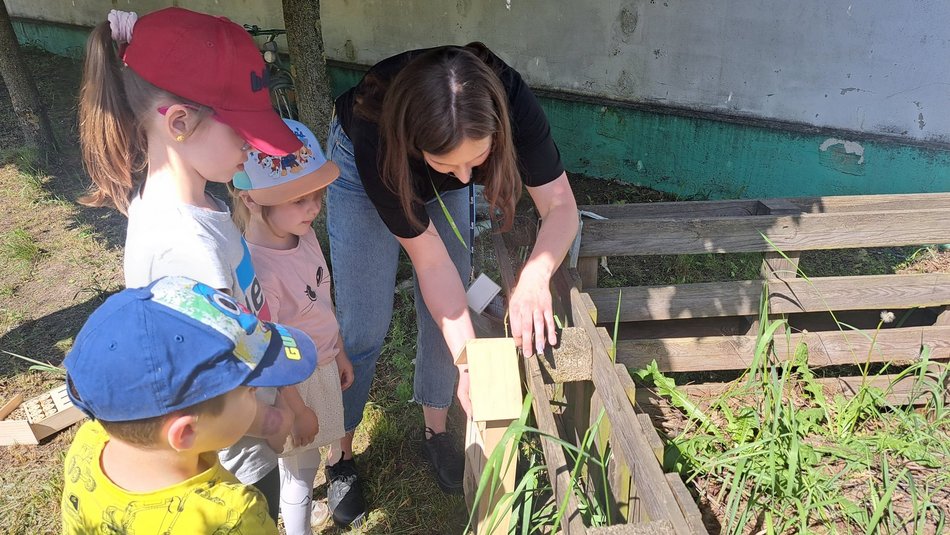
[{"x": 319, "y": 514}]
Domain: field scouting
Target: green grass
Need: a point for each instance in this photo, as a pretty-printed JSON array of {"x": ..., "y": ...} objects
[
  {"x": 775, "y": 454},
  {"x": 19, "y": 246}
]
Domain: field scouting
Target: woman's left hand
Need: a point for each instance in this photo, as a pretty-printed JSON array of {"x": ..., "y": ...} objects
[
  {"x": 346, "y": 370},
  {"x": 531, "y": 313}
]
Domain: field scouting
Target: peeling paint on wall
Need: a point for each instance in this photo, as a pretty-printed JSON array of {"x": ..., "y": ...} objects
[{"x": 842, "y": 155}]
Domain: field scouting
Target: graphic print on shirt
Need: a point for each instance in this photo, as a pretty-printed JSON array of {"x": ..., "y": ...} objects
[
  {"x": 253, "y": 292},
  {"x": 321, "y": 277}
]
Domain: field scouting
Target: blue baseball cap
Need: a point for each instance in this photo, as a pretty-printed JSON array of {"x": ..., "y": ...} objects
[
  {"x": 271, "y": 180},
  {"x": 150, "y": 351}
]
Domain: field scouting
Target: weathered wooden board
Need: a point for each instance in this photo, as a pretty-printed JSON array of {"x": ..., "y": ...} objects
[
  {"x": 814, "y": 205},
  {"x": 558, "y": 469},
  {"x": 740, "y": 234},
  {"x": 627, "y": 436},
  {"x": 903, "y": 392},
  {"x": 824, "y": 349},
  {"x": 786, "y": 296}
]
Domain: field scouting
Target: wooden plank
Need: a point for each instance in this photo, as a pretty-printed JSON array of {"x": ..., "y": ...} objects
[
  {"x": 591, "y": 307},
  {"x": 17, "y": 432},
  {"x": 10, "y": 406},
  {"x": 558, "y": 469},
  {"x": 902, "y": 393},
  {"x": 738, "y": 234},
  {"x": 587, "y": 268},
  {"x": 674, "y": 209},
  {"x": 504, "y": 262},
  {"x": 786, "y": 296},
  {"x": 474, "y": 463},
  {"x": 629, "y": 387},
  {"x": 777, "y": 265},
  {"x": 627, "y": 437},
  {"x": 824, "y": 349},
  {"x": 618, "y": 475},
  {"x": 577, "y": 413},
  {"x": 862, "y": 292},
  {"x": 653, "y": 438},
  {"x": 494, "y": 377},
  {"x": 607, "y": 340},
  {"x": 814, "y": 205},
  {"x": 492, "y": 435},
  {"x": 871, "y": 203},
  {"x": 687, "y": 505},
  {"x": 682, "y": 301}
]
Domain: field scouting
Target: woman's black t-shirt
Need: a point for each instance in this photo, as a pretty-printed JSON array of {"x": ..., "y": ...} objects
[{"x": 538, "y": 158}]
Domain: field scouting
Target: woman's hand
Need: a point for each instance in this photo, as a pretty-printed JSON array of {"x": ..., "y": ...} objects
[
  {"x": 346, "y": 370},
  {"x": 306, "y": 427},
  {"x": 530, "y": 313}
]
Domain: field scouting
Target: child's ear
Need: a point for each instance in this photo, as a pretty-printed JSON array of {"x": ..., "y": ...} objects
[
  {"x": 181, "y": 431},
  {"x": 179, "y": 122},
  {"x": 249, "y": 202}
]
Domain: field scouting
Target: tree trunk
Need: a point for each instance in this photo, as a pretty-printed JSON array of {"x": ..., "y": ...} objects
[
  {"x": 26, "y": 101},
  {"x": 305, "y": 41}
]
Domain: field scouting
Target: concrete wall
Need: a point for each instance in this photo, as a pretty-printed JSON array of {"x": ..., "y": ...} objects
[
  {"x": 692, "y": 100},
  {"x": 91, "y": 12},
  {"x": 876, "y": 66}
]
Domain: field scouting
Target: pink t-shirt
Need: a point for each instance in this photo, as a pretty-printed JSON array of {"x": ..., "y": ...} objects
[{"x": 296, "y": 285}]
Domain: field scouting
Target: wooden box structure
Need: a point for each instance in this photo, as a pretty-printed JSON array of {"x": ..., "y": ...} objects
[
  {"x": 45, "y": 414},
  {"x": 713, "y": 326},
  {"x": 496, "y": 402}
]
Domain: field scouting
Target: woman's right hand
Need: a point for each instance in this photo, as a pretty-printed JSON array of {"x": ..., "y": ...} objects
[
  {"x": 462, "y": 392},
  {"x": 444, "y": 296}
]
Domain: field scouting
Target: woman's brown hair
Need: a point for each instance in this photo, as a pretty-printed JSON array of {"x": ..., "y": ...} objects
[
  {"x": 441, "y": 98},
  {"x": 114, "y": 103}
]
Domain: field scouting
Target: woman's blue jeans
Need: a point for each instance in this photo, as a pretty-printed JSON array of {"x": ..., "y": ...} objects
[{"x": 365, "y": 256}]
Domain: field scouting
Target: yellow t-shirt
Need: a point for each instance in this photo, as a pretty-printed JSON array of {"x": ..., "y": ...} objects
[{"x": 213, "y": 501}]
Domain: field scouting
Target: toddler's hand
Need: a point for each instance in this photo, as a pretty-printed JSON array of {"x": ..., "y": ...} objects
[{"x": 306, "y": 427}]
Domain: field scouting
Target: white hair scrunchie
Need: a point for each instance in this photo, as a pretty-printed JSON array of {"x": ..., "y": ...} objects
[{"x": 122, "y": 23}]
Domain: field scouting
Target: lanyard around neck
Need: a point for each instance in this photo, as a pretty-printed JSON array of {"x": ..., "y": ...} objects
[{"x": 471, "y": 222}]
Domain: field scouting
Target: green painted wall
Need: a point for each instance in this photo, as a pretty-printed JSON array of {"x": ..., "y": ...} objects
[{"x": 681, "y": 154}]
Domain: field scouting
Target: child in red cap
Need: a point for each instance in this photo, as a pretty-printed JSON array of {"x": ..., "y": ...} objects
[{"x": 169, "y": 102}]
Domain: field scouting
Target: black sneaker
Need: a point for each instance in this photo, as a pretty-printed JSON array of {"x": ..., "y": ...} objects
[
  {"x": 445, "y": 460},
  {"x": 344, "y": 494}
]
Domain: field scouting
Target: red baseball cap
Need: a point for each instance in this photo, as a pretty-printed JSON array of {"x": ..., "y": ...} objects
[{"x": 214, "y": 62}]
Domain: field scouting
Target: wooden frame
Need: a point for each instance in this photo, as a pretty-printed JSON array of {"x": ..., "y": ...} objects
[
  {"x": 639, "y": 490},
  {"x": 792, "y": 225}
]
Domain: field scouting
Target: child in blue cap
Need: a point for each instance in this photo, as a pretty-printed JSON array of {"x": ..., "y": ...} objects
[{"x": 168, "y": 374}]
